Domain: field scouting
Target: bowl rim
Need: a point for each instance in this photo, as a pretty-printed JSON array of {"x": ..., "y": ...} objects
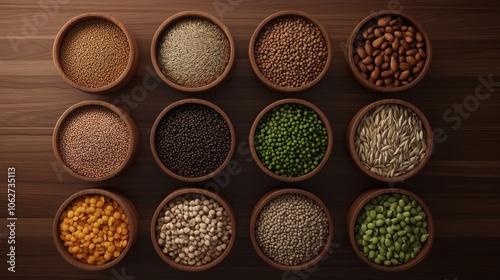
[
  {"x": 255, "y": 35},
  {"x": 128, "y": 208},
  {"x": 278, "y": 192},
  {"x": 131, "y": 127},
  {"x": 351, "y": 133},
  {"x": 192, "y": 14},
  {"x": 358, "y": 205},
  {"x": 203, "y": 192},
  {"x": 323, "y": 118},
  {"x": 164, "y": 112},
  {"x": 127, "y": 73},
  {"x": 349, "y": 52}
]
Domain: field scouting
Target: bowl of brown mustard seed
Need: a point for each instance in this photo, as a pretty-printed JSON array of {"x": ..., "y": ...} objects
[
  {"x": 95, "y": 53},
  {"x": 193, "y": 51},
  {"x": 390, "y": 140},
  {"x": 95, "y": 140},
  {"x": 290, "y": 51}
]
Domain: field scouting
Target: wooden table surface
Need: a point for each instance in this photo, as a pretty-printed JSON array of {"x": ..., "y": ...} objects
[{"x": 460, "y": 184}]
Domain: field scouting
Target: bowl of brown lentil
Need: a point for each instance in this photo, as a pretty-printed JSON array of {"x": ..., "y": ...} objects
[
  {"x": 291, "y": 140},
  {"x": 95, "y": 140},
  {"x": 192, "y": 140},
  {"x": 390, "y": 229},
  {"x": 95, "y": 53},
  {"x": 193, "y": 51},
  {"x": 94, "y": 229},
  {"x": 290, "y": 51},
  {"x": 388, "y": 51},
  {"x": 193, "y": 229},
  {"x": 390, "y": 140},
  {"x": 291, "y": 229}
]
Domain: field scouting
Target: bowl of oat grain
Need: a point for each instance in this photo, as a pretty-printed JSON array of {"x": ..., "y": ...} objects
[
  {"x": 390, "y": 140},
  {"x": 193, "y": 51},
  {"x": 95, "y": 53}
]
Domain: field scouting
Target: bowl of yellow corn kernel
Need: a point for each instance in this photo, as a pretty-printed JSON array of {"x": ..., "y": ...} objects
[{"x": 94, "y": 229}]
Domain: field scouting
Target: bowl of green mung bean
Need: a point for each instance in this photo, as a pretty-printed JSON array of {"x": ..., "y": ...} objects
[
  {"x": 390, "y": 140},
  {"x": 291, "y": 140},
  {"x": 390, "y": 229},
  {"x": 193, "y": 51}
]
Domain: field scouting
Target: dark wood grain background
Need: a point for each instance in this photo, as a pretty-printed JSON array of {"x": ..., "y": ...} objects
[{"x": 460, "y": 183}]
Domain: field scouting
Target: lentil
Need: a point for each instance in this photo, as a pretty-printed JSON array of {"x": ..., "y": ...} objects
[
  {"x": 291, "y": 229},
  {"x": 194, "y": 229},
  {"x": 391, "y": 229},
  {"x": 291, "y": 140},
  {"x": 193, "y": 140},
  {"x": 94, "y": 53},
  {"x": 94, "y": 141},
  {"x": 291, "y": 51},
  {"x": 193, "y": 52},
  {"x": 389, "y": 52},
  {"x": 390, "y": 140},
  {"x": 95, "y": 229}
]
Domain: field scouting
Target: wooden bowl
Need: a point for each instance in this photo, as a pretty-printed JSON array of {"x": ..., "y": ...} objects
[
  {"x": 192, "y": 14},
  {"x": 127, "y": 74},
  {"x": 323, "y": 118},
  {"x": 202, "y": 192},
  {"x": 132, "y": 216},
  {"x": 129, "y": 122},
  {"x": 154, "y": 151},
  {"x": 255, "y": 214},
  {"x": 350, "y": 52},
  {"x": 351, "y": 133},
  {"x": 258, "y": 73},
  {"x": 358, "y": 205}
]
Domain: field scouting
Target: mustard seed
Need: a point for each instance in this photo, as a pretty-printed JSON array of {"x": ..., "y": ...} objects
[
  {"x": 291, "y": 51},
  {"x": 193, "y": 52},
  {"x": 94, "y": 141},
  {"x": 94, "y": 53}
]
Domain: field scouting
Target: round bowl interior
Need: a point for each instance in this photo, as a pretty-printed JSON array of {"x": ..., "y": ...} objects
[
  {"x": 351, "y": 133},
  {"x": 157, "y": 123},
  {"x": 225, "y": 204},
  {"x": 358, "y": 205},
  {"x": 192, "y": 14},
  {"x": 129, "y": 210},
  {"x": 253, "y": 63},
  {"x": 323, "y": 118},
  {"x": 350, "y": 52},
  {"x": 129, "y": 122},
  {"x": 127, "y": 74},
  {"x": 255, "y": 214}
]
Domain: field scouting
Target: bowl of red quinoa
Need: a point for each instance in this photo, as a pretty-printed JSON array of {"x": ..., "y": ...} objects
[
  {"x": 192, "y": 140},
  {"x": 193, "y": 51},
  {"x": 95, "y": 140},
  {"x": 95, "y": 53},
  {"x": 290, "y": 51}
]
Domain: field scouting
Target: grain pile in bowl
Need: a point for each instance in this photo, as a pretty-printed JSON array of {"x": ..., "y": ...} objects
[
  {"x": 193, "y": 140},
  {"x": 291, "y": 229},
  {"x": 391, "y": 229},
  {"x": 193, "y": 229},
  {"x": 94, "y": 53},
  {"x": 291, "y": 140},
  {"x": 390, "y": 140},
  {"x": 94, "y": 229},
  {"x": 291, "y": 51},
  {"x": 94, "y": 141},
  {"x": 193, "y": 52},
  {"x": 389, "y": 51}
]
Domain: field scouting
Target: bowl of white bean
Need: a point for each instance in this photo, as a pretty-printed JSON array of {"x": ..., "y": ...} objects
[{"x": 193, "y": 229}]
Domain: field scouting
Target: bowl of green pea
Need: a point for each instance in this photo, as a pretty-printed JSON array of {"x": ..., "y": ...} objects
[
  {"x": 291, "y": 140},
  {"x": 390, "y": 229}
]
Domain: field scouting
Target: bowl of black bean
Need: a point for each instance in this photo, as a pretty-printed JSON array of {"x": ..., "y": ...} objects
[{"x": 192, "y": 140}]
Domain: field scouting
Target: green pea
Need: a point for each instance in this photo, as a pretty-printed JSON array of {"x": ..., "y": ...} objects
[
  {"x": 424, "y": 224},
  {"x": 389, "y": 254},
  {"x": 400, "y": 217},
  {"x": 382, "y": 230},
  {"x": 381, "y": 258},
  {"x": 391, "y": 199},
  {"x": 366, "y": 250},
  {"x": 387, "y": 263},
  {"x": 382, "y": 250},
  {"x": 407, "y": 258},
  {"x": 401, "y": 232},
  {"x": 372, "y": 254},
  {"x": 359, "y": 242},
  {"x": 396, "y": 227},
  {"x": 377, "y": 261},
  {"x": 363, "y": 228},
  {"x": 416, "y": 230},
  {"x": 367, "y": 237},
  {"x": 380, "y": 216},
  {"x": 386, "y": 204},
  {"x": 387, "y": 242},
  {"x": 407, "y": 208},
  {"x": 388, "y": 222},
  {"x": 397, "y": 246},
  {"x": 369, "y": 232},
  {"x": 371, "y": 226},
  {"x": 390, "y": 213},
  {"x": 402, "y": 203},
  {"x": 390, "y": 230},
  {"x": 395, "y": 221},
  {"x": 394, "y": 262},
  {"x": 375, "y": 240},
  {"x": 402, "y": 255},
  {"x": 399, "y": 209},
  {"x": 424, "y": 238},
  {"x": 372, "y": 246},
  {"x": 418, "y": 218},
  {"x": 406, "y": 214},
  {"x": 379, "y": 209},
  {"x": 379, "y": 223},
  {"x": 373, "y": 214}
]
